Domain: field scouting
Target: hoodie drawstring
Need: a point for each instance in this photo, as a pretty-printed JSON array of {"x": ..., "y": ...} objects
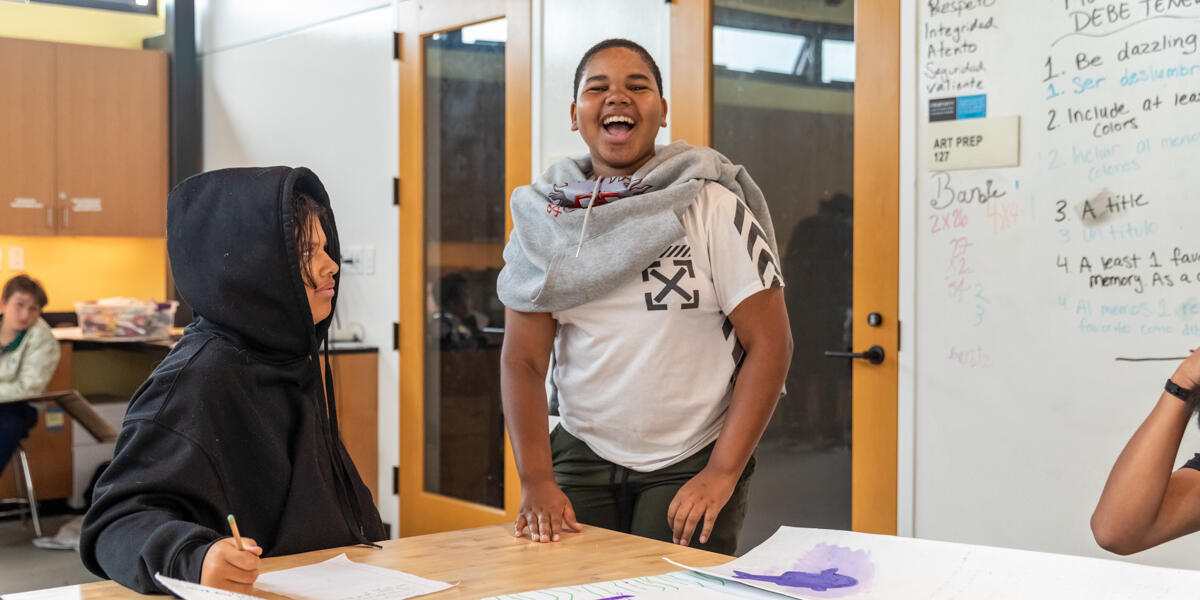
[
  {"x": 588, "y": 213},
  {"x": 333, "y": 439}
]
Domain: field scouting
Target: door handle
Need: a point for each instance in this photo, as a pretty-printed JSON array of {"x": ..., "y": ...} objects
[{"x": 873, "y": 355}]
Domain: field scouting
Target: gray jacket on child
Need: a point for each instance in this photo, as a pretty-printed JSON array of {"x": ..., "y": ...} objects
[{"x": 27, "y": 370}]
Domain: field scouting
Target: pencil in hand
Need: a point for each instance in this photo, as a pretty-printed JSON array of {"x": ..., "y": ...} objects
[{"x": 237, "y": 537}]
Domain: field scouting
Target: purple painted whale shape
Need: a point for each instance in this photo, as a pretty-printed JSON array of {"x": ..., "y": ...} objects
[{"x": 817, "y": 582}]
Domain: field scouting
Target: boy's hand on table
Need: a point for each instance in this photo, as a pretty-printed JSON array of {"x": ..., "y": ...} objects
[
  {"x": 545, "y": 513},
  {"x": 703, "y": 496},
  {"x": 228, "y": 568}
]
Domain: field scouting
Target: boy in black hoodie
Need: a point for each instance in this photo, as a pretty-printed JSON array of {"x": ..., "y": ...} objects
[{"x": 236, "y": 419}]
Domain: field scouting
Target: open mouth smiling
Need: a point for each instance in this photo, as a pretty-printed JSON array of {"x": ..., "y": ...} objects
[{"x": 618, "y": 127}]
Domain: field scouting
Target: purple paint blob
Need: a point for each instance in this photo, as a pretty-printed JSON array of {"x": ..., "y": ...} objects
[
  {"x": 616, "y": 597},
  {"x": 828, "y": 566},
  {"x": 818, "y": 582}
]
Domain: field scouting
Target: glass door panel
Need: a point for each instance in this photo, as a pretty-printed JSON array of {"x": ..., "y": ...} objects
[
  {"x": 783, "y": 106},
  {"x": 464, "y": 230}
]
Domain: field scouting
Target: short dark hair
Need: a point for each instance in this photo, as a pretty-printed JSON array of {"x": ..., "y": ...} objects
[
  {"x": 617, "y": 43},
  {"x": 26, "y": 285},
  {"x": 304, "y": 208}
]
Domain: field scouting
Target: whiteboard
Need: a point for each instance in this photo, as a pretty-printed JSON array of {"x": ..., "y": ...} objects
[{"x": 1031, "y": 281}]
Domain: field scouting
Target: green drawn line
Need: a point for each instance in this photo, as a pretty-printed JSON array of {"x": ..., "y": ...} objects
[
  {"x": 599, "y": 594},
  {"x": 635, "y": 583},
  {"x": 624, "y": 587},
  {"x": 712, "y": 579},
  {"x": 688, "y": 577},
  {"x": 643, "y": 583},
  {"x": 666, "y": 582}
]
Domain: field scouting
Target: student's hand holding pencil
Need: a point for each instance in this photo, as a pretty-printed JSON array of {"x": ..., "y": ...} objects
[{"x": 231, "y": 563}]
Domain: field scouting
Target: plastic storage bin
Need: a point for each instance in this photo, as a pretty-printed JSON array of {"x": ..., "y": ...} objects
[{"x": 126, "y": 319}]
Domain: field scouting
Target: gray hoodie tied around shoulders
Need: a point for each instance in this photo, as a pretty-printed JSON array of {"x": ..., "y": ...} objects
[{"x": 543, "y": 272}]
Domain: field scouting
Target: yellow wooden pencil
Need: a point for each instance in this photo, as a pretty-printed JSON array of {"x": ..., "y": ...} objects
[{"x": 237, "y": 538}]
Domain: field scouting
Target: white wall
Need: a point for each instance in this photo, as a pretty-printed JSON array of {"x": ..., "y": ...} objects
[
  {"x": 312, "y": 83},
  {"x": 563, "y": 30},
  {"x": 225, "y": 24}
]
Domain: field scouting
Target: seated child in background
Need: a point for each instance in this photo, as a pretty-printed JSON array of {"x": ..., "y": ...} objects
[{"x": 28, "y": 357}]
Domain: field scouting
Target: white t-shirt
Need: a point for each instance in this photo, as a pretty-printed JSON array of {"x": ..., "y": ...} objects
[{"x": 645, "y": 373}]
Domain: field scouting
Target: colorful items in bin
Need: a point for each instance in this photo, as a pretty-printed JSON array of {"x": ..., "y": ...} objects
[{"x": 126, "y": 319}]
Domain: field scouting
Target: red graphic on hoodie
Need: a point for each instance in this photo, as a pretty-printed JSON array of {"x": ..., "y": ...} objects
[{"x": 577, "y": 194}]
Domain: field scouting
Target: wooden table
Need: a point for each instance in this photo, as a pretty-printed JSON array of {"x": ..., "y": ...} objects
[{"x": 486, "y": 561}]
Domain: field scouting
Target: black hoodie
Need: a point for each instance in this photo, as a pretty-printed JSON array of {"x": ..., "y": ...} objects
[{"x": 235, "y": 420}]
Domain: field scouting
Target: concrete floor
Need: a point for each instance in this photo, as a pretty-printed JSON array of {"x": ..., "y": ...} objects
[{"x": 24, "y": 567}]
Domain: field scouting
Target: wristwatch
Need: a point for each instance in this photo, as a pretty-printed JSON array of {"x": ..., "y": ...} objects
[{"x": 1178, "y": 391}]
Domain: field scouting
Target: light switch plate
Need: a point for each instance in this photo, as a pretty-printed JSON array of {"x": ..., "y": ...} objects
[
  {"x": 16, "y": 258},
  {"x": 352, "y": 260}
]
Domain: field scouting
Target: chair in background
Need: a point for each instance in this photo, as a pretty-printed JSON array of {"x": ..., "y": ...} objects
[
  {"x": 27, "y": 505},
  {"x": 74, "y": 404}
]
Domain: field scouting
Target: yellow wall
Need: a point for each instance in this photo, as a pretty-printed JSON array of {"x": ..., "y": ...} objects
[
  {"x": 52, "y": 23},
  {"x": 87, "y": 268},
  {"x": 81, "y": 268}
]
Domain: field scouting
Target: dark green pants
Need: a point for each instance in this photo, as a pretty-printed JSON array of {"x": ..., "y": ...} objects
[{"x": 610, "y": 496}]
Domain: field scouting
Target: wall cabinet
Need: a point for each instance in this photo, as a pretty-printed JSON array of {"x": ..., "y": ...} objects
[
  {"x": 26, "y": 137},
  {"x": 356, "y": 395},
  {"x": 83, "y": 140}
]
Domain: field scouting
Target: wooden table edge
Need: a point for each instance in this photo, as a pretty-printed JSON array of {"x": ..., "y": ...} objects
[{"x": 592, "y": 556}]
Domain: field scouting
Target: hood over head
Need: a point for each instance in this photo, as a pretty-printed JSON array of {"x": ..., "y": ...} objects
[{"x": 232, "y": 245}]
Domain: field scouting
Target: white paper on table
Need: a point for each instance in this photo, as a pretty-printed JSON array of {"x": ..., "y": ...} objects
[
  {"x": 66, "y": 592},
  {"x": 844, "y": 564},
  {"x": 668, "y": 586},
  {"x": 194, "y": 591},
  {"x": 340, "y": 578}
]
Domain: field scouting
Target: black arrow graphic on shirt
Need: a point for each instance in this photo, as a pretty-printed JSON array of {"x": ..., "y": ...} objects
[{"x": 671, "y": 284}]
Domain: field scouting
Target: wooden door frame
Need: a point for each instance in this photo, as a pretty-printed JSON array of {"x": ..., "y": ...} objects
[
  {"x": 420, "y": 511},
  {"x": 876, "y": 211}
]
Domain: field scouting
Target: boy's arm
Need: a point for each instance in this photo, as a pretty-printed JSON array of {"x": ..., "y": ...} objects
[
  {"x": 528, "y": 339},
  {"x": 146, "y": 507},
  {"x": 761, "y": 325}
]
